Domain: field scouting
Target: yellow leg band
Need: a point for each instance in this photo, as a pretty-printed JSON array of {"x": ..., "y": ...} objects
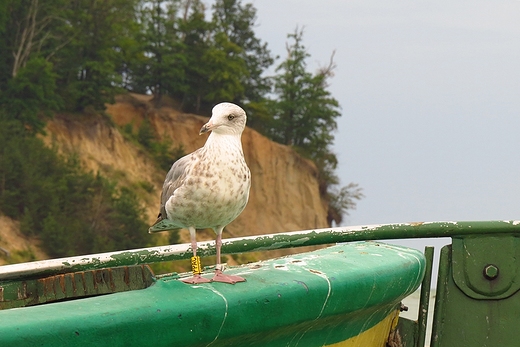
[{"x": 196, "y": 266}]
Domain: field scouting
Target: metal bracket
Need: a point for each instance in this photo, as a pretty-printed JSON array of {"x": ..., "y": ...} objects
[{"x": 487, "y": 267}]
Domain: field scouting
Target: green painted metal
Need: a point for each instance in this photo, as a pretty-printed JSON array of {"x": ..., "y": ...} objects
[
  {"x": 487, "y": 266},
  {"x": 442, "y": 283},
  {"x": 478, "y": 289},
  {"x": 467, "y": 312},
  {"x": 310, "y": 299},
  {"x": 413, "y": 333},
  {"x": 261, "y": 243},
  {"x": 425, "y": 297}
]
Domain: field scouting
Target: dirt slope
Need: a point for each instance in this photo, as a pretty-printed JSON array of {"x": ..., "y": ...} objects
[{"x": 284, "y": 192}]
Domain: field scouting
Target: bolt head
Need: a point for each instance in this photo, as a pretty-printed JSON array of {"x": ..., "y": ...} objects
[{"x": 491, "y": 272}]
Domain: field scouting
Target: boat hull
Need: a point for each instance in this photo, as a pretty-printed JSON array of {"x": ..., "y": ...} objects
[{"x": 345, "y": 295}]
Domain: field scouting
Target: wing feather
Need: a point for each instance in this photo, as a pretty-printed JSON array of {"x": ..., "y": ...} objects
[{"x": 174, "y": 179}]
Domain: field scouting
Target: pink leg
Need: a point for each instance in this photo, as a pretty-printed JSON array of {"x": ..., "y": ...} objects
[
  {"x": 197, "y": 278},
  {"x": 219, "y": 276}
]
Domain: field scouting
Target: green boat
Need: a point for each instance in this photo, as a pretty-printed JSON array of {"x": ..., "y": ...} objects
[{"x": 348, "y": 294}]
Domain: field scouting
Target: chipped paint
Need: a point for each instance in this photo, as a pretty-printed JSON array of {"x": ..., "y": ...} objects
[
  {"x": 273, "y": 308},
  {"x": 260, "y": 243}
]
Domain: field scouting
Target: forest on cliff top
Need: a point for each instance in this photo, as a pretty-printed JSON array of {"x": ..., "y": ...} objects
[{"x": 74, "y": 57}]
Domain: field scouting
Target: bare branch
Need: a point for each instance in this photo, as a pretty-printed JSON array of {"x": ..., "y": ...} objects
[
  {"x": 24, "y": 46},
  {"x": 60, "y": 46},
  {"x": 328, "y": 71},
  {"x": 31, "y": 35}
]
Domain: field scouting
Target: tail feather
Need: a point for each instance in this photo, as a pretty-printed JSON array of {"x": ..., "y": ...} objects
[
  {"x": 160, "y": 218},
  {"x": 163, "y": 224}
]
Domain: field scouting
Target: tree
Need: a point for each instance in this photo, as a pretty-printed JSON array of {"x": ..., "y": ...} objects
[
  {"x": 4, "y": 46},
  {"x": 160, "y": 68},
  {"x": 223, "y": 57},
  {"x": 28, "y": 91},
  {"x": 341, "y": 201},
  {"x": 196, "y": 61},
  {"x": 32, "y": 23},
  {"x": 304, "y": 112},
  {"x": 194, "y": 33},
  {"x": 72, "y": 56},
  {"x": 71, "y": 211},
  {"x": 28, "y": 34},
  {"x": 225, "y": 71},
  {"x": 304, "y": 116},
  {"x": 237, "y": 21},
  {"x": 88, "y": 65},
  {"x": 32, "y": 95}
]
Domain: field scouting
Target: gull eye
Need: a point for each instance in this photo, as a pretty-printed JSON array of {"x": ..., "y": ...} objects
[{"x": 230, "y": 117}]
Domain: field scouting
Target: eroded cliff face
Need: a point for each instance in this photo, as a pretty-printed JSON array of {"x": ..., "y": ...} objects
[
  {"x": 284, "y": 192},
  {"x": 16, "y": 247}
]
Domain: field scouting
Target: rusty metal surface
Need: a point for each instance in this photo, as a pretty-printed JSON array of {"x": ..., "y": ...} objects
[{"x": 74, "y": 285}]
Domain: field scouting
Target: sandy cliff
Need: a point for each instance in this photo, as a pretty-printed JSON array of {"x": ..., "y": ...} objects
[{"x": 284, "y": 192}]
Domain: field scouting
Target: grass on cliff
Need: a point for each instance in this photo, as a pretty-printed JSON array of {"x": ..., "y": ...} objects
[{"x": 163, "y": 152}]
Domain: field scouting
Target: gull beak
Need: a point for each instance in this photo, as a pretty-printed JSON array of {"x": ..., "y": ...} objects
[{"x": 206, "y": 127}]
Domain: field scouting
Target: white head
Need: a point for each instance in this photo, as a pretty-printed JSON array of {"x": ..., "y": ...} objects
[{"x": 226, "y": 118}]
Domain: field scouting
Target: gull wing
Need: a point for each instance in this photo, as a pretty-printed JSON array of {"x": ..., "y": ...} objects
[{"x": 174, "y": 179}]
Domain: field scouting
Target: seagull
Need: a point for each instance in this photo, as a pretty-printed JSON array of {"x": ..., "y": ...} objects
[{"x": 209, "y": 187}]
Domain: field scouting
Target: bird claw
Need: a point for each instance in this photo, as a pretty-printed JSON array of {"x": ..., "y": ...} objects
[
  {"x": 195, "y": 280},
  {"x": 220, "y": 277}
]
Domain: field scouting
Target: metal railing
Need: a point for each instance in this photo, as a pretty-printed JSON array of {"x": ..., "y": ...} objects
[
  {"x": 259, "y": 243},
  {"x": 478, "y": 288}
]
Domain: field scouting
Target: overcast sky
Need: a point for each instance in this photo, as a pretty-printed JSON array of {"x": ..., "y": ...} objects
[{"x": 430, "y": 97}]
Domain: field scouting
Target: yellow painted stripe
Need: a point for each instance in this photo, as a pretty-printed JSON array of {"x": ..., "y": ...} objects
[{"x": 373, "y": 337}]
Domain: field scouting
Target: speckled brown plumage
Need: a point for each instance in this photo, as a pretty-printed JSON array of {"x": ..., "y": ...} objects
[{"x": 209, "y": 188}]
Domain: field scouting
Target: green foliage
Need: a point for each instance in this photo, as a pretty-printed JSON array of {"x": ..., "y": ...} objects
[
  {"x": 225, "y": 69},
  {"x": 145, "y": 134},
  {"x": 146, "y": 186},
  {"x": 341, "y": 201},
  {"x": 236, "y": 21},
  {"x": 21, "y": 256},
  {"x": 31, "y": 95},
  {"x": 173, "y": 237},
  {"x": 88, "y": 63},
  {"x": 197, "y": 61},
  {"x": 71, "y": 211},
  {"x": 195, "y": 33},
  {"x": 5, "y": 57},
  {"x": 159, "y": 46},
  {"x": 81, "y": 40},
  {"x": 159, "y": 65},
  {"x": 304, "y": 116},
  {"x": 303, "y": 112},
  {"x": 76, "y": 55},
  {"x": 162, "y": 151}
]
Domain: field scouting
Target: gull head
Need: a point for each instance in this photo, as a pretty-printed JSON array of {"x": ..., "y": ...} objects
[{"x": 226, "y": 118}]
